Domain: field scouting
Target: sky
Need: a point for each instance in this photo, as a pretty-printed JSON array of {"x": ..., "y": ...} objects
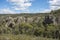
[{"x": 28, "y": 6}]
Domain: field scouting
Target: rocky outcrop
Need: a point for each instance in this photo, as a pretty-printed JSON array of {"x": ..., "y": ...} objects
[
  {"x": 10, "y": 21},
  {"x": 58, "y": 20}
]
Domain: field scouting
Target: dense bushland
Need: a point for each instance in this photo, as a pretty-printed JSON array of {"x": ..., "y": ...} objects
[{"x": 39, "y": 25}]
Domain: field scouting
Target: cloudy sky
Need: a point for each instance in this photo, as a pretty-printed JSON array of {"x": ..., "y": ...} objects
[{"x": 28, "y": 6}]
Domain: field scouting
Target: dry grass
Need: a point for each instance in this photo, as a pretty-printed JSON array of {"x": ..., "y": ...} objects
[{"x": 22, "y": 37}]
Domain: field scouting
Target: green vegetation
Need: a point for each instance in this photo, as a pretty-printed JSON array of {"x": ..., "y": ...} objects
[
  {"x": 22, "y": 37},
  {"x": 30, "y": 26}
]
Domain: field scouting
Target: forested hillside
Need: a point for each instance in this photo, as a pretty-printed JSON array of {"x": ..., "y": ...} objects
[{"x": 46, "y": 25}]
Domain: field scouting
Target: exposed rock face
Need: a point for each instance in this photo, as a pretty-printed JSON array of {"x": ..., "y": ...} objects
[
  {"x": 58, "y": 20},
  {"x": 10, "y": 21}
]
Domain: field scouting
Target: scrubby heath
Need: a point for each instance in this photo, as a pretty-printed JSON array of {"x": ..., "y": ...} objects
[
  {"x": 22, "y": 37},
  {"x": 39, "y": 26}
]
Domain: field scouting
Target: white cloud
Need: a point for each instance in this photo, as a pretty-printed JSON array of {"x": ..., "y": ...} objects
[
  {"x": 6, "y": 11},
  {"x": 45, "y": 11},
  {"x": 54, "y": 4},
  {"x": 20, "y": 4}
]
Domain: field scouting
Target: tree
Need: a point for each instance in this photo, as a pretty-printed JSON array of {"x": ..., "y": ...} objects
[{"x": 25, "y": 28}]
